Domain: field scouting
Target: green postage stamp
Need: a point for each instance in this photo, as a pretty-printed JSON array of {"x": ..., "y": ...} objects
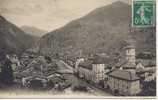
[{"x": 143, "y": 13}]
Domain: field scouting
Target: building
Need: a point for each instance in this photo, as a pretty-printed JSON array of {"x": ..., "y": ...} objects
[
  {"x": 85, "y": 71},
  {"x": 34, "y": 81},
  {"x": 94, "y": 70},
  {"x": 99, "y": 65},
  {"x": 78, "y": 61},
  {"x": 123, "y": 82},
  {"x": 146, "y": 74},
  {"x": 123, "y": 78},
  {"x": 144, "y": 68},
  {"x": 130, "y": 54},
  {"x": 128, "y": 61}
]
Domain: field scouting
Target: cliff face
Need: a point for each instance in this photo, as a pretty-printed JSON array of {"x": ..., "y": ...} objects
[{"x": 103, "y": 30}]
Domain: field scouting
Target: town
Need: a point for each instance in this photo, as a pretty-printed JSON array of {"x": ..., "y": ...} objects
[{"x": 125, "y": 75}]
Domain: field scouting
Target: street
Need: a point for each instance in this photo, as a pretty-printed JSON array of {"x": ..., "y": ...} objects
[{"x": 81, "y": 82}]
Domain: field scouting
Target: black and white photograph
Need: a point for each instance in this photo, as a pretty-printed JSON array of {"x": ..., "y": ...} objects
[{"x": 77, "y": 48}]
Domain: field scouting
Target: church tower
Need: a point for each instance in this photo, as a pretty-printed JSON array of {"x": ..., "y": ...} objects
[{"x": 130, "y": 54}]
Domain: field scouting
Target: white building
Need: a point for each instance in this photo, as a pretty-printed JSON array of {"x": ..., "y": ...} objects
[
  {"x": 130, "y": 54},
  {"x": 124, "y": 82},
  {"x": 123, "y": 79},
  {"x": 93, "y": 70}
]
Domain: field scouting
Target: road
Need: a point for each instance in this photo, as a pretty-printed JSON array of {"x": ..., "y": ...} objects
[
  {"x": 64, "y": 66},
  {"x": 77, "y": 81}
]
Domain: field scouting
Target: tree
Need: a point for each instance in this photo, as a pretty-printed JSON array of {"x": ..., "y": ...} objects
[{"x": 7, "y": 72}]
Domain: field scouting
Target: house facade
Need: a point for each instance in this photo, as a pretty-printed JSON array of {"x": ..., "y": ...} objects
[
  {"x": 86, "y": 74},
  {"x": 93, "y": 71},
  {"x": 123, "y": 82},
  {"x": 98, "y": 71}
]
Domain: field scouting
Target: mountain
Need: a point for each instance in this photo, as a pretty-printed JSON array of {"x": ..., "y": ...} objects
[
  {"x": 104, "y": 30},
  {"x": 13, "y": 39},
  {"x": 33, "y": 31}
]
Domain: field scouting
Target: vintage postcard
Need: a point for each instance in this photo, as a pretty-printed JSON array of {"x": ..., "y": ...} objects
[{"x": 78, "y": 49}]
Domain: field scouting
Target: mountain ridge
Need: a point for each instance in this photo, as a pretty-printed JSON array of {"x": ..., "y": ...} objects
[
  {"x": 13, "y": 40},
  {"x": 102, "y": 30},
  {"x": 33, "y": 31}
]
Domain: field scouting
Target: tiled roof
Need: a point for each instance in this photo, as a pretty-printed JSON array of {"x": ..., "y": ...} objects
[
  {"x": 147, "y": 63},
  {"x": 97, "y": 59},
  {"x": 101, "y": 59},
  {"x": 129, "y": 47},
  {"x": 123, "y": 74},
  {"x": 86, "y": 64}
]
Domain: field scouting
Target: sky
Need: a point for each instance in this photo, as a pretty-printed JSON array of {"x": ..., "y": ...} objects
[{"x": 48, "y": 14}]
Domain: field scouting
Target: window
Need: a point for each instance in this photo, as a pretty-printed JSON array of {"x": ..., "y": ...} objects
[
  {"x": 127, "y": 85},
  {"x": 122, "y": 84}
]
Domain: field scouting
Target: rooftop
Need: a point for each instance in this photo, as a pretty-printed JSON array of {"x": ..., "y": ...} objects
[
  {"x": 86, "y": 64},
  {"x": 129, "y": 47},
  {"x": 97, "y": 59},
  {"x": 147, "y": 63},
  {"x": 102, "y": 59},
  {"x": 151, "y": 70},
  {"x": 125, "y": 75}
]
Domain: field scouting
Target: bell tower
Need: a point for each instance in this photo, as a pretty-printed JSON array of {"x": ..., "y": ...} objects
[{"x": 130, "y": 54}]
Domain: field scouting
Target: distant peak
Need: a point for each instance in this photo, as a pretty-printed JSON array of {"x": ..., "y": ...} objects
[{"x": 119, "y": 3}]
